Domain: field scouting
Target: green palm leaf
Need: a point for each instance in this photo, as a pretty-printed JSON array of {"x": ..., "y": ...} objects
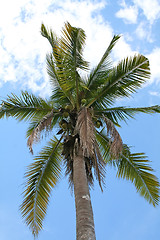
[
  {"x": 42, "y": 176},
  {"x": 25, "y": 107},
  {"x": 72, "y": 44},
  {"x": 66, "y": 59},
  {"x": 135, "y": 167},
  {"x": 99, "y": 73},
  {"x": 123, "y": 80},
  {"x": 58, "y": 79},
  {"x": 50, "y": 35},
  {"x": 104, "y": 144},
  {"x": 60, "y": 98},
  {"x": 56, "y": 64},
  {"x": 123, "y": 113}
]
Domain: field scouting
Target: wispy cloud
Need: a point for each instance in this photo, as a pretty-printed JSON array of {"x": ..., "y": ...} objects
[
  {"x": 154, "y": 59},
  {"x": 144, "y": 31},
  {"x": 122, "y": 49},
  {"x": 154, "y": 93},
  {"x": 150, "y": 8},
  {"x": 23, "y": 50},
  {"x": 143, "y": 13},
  {"x": 128, "y": 13}
]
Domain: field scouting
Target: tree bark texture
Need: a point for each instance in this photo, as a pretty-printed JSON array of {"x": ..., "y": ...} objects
[{"x": 84, "y": 213}]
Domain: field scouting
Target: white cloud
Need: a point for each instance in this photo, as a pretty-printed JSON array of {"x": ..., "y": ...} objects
[
  {"x": 151, "y": 9},
  {"x": 23, "y": 50},
  {"x": 154, "y": 93},
  {"x": 144, "y": 13},
  {"x": 154, "y": 59},
  {"x": 122, "y": 50},
  {"x": 128, "y": 13},
  {"x": 143, "y": 31}
]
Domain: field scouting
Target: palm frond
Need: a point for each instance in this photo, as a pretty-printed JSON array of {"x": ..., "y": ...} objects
[
  {"x": 85, "y": 128},
  {"x": 104, "y": 144},
  {"x": 59, "y": 79},
  {"x": 72, "y": 44},
  {"x": 42, "y": 176},
  {"x": 61, "y": 88},
  {"x": 86, "y": 131},
  {"x": 116, "y": 144},
  {"x": 124, "y": 113},
  {"x": 56, "y": 49},
  {"x": 33, "y": 124},
  {"x": 56, "y": 64},
  {"x": 99, "y": 166},
  {"x": 135, "y": 167},
  {"x": 123, "y": 80},
  {"x": 66, "y": 59},
  {"x": 45, "y": 123},
  {"x": 100, "y": 72},
  {"x": 50, "y": 35},
  {"x": 25, "y": 107},
  {"x": 59, "y": 98}
]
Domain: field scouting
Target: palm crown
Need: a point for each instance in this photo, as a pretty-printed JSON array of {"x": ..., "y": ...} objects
[{"x": 81, "y": 111}]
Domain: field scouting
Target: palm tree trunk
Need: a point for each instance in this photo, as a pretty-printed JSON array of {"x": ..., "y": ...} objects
[{"x": 84, "y": 214}]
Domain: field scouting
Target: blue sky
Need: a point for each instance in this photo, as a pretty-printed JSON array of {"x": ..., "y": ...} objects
[{"x": 120, "y": 213}]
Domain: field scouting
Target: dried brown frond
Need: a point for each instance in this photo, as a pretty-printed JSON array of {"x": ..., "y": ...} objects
[
  {"x": 116, "y": 144},
  {"x": 68, "y": 149},
  {"x": 86, "y": 131},
  {"x": 45, "y": 123},
  {"x": 99, "y": 166}
]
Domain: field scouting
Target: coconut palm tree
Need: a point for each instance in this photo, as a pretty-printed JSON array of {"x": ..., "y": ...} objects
[{"x": 81, "y": 116}]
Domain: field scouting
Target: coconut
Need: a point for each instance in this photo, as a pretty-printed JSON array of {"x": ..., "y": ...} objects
[
  {"x": 83, "y": 101},
  {"x": 65, "y": 114},
  {"x": 98, "y": 124},
  {"x": 68, "y": 107},
  {"x": 64, "y": 125}
]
